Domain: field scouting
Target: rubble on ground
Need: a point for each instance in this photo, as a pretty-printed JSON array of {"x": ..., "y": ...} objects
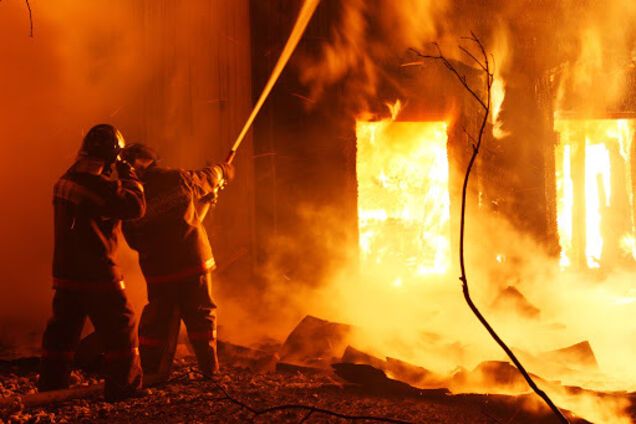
[{"x": 314, "y": 368}]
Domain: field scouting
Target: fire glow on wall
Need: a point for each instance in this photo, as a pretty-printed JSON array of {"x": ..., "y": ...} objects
[
  {"x": 595, "y": 192},
  {"x": 403, "y": 198}
]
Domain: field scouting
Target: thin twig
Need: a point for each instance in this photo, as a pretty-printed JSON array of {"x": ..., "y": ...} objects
[
  {"x": 310, "y": 408},
  {"x": 469, "y": 54},
  {"x": 451, "y": 68},
  {"x": 470, "y": 136},
  {"x": 514, "y": 416},
  {"x": 306, "y": 417},
  {"x": 476, "y": 146},
  {"x": 331, "y": 413},
  {"x": 30, "y": 18},
  {"x": 487, "y": 414}
]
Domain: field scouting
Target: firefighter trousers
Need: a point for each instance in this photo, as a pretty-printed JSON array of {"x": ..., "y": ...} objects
[
  {"x": 189, "y": 300},
  {"x": 114, "y": 322}
]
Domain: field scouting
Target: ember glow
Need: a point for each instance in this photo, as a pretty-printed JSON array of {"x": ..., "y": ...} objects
[
  {"x": 594, "y": 191},
  {"x": 403, "y": 202}
]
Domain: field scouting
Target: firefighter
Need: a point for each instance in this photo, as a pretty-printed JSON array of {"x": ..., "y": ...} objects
[
  {"x": 88, "y": 209},
  {"x": 176, "y": 259}
]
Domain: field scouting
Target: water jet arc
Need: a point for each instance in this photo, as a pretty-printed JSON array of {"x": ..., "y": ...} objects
[{"x": 304, "y": 16}]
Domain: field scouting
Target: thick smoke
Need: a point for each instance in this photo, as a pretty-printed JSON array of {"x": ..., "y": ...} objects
[
  {"x": 584, "y": 46},
  {"x": 366, "y": 35},
  {"x": 78, "y": 70}
]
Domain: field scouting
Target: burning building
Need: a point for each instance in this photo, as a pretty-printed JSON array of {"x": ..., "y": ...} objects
[
  {"x": 551, "y": 200},
  {"x": 348, "y": 196},
  {"x": 539, "y": 115}
]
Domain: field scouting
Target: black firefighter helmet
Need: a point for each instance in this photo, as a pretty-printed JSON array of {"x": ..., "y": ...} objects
[
  {"x": 103, "y": 142},
  {"x": 135, "y": 151}
]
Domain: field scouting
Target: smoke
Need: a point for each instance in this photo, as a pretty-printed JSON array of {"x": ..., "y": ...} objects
[
  {"x": 426, "y": 322},
  {"x": 78, "y": 70},
  {"x": 82, "y": 67},
  {"x": 366, "y": 35},
  {"x": 344, "y": 55},
  {"x": 160, "y": 77},
  {"x": 599, "y": 41},
  {"x": 584, "y": 47},
  {"x": 86, "y": 64}
]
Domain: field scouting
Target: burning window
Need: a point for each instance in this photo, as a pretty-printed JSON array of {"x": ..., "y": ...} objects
[
  {"x": 595, "y": 192},
  {"x": 403, "y": 198}
]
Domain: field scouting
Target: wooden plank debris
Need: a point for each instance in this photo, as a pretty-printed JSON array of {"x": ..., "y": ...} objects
[
  {"x": 374, "y": 380},
  {"x": 315, "y": 343}
]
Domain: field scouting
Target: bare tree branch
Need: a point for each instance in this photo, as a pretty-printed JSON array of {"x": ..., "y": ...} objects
[
  {"x": 470, "y": 136},
  {"x": 469, "y": 54},
  {"x": 461, "y": 77},
  {"x": 485, "y": 104},
  {"x": 306, "y": 417},
  {"x": 28, "y": 4}
]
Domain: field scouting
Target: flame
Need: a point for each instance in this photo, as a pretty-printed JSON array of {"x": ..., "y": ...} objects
[
  {"x": 501, "y": 54},
  {"x": 628, "y": 244},
  {"x": 565, "y": 203},
  {"x": 597, "y": 192},
  {"x": 395, "y": 109},
  {"x": 586, "y": 151},
  {"x": 497, "y": 95},
  {"x": 403, "y": 200}
]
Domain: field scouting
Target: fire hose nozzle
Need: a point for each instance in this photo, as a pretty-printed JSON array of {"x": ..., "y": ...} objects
[{"x": 230, "y": 157}]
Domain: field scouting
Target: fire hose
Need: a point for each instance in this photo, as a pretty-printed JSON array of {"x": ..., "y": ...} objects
[{"x": 304, "y": 16}]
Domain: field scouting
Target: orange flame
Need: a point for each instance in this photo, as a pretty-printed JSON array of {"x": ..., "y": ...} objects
[
  {"x": 501, "y": 57},
  {"x": 589, "y": 149},
  {"x": 497, "y": 93},
  {"x": 403, "y": 200}
]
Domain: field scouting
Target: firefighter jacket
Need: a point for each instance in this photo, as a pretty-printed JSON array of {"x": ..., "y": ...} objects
[
  {"x": 171, "y": 239},
  {"x": 88, "y": 210}
]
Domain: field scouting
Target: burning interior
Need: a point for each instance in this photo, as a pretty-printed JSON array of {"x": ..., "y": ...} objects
[
  {"x": 595, "y": 192},
  {"x": 404, "y": 207},
  {"x": 403, "y": 198}
]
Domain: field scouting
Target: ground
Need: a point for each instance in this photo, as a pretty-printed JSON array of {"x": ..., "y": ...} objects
[{"x": 189, "y": 398}]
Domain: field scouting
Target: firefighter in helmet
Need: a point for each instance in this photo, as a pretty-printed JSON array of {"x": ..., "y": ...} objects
[
  {"x": 176, "y": 259},
  {"x": 88, "y": 208}
]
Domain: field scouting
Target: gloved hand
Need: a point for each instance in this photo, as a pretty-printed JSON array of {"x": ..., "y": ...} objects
[
  {"x": 125, "y": 170},
  {"x": 228, "y": 171}
]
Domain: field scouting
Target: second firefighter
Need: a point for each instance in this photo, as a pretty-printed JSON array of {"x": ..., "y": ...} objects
[{"x": 176, "y": 259}]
